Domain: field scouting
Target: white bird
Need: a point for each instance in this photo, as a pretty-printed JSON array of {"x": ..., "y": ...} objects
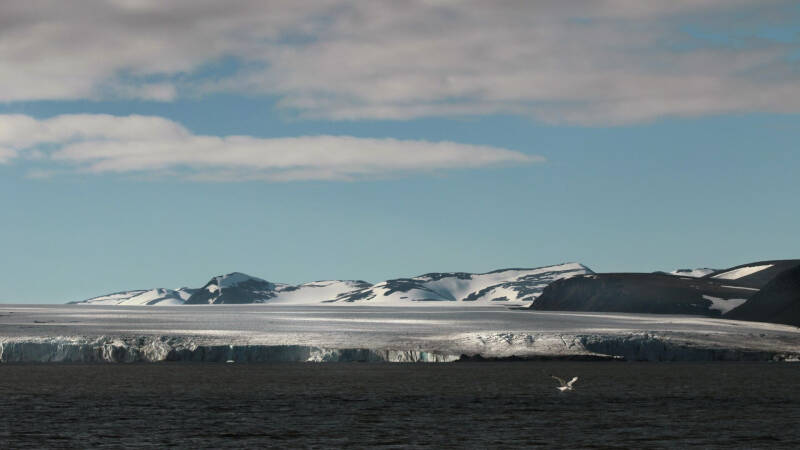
[{"x": 565, "y": 386}]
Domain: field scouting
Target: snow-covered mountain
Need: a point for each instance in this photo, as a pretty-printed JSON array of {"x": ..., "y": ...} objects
[
  {"x": 506, "y": 286},
  {"x": 242, "y": 288},
  {"x": 762, "y": 290},
  {"x": 159, "y": 297},
  {"x": 234, "y": 287}
]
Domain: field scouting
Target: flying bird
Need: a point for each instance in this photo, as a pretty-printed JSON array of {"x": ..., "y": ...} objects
[{"x": 565, "y": 386}]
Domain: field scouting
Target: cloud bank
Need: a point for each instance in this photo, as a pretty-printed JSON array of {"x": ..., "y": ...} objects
[
  {"x": 158, "y": 147},
  {"x": 591, "y": 62}
]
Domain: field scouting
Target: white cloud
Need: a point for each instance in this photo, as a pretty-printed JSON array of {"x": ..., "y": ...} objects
[
  {"x": 159, "y": 92},
  {"x": 582, "y": 61},
  {"x": 155, "y": 146},
  {"x": 7, "y": 154}
]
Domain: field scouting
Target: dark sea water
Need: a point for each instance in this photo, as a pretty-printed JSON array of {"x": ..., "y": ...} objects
[{"x": 459, "y": 405}]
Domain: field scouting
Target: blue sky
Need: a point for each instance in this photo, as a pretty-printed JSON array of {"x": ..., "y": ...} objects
[{"x": 287, "y": 146}]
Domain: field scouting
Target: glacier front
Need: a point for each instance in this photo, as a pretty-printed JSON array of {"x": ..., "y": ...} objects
[{"x": 266, "y": 333}]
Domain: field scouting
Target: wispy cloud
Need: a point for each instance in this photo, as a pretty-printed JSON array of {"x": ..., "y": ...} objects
[
  {"x": 582, "y": 61},
  {"x": 154, "y": 147}
]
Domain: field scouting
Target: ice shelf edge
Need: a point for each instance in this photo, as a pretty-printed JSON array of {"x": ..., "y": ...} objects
[{"x": 472, "y": 347}]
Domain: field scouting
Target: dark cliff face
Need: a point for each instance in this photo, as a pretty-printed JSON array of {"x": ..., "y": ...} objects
[
  {"x": 637, "y": 293},
  {"x": 777, "y": 302}
]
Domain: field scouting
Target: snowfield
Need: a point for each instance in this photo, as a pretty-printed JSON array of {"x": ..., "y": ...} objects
[
  {"x": 262, "y": 333},
  {"x": 314, "y": 292}
]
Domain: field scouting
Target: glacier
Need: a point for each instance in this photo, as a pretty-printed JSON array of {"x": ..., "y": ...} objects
[{"x": 290, "y": 333}]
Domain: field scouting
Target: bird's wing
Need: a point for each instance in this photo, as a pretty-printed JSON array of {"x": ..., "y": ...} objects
[
  {"x": 563, "y": 383},
  {"x": 574, "y": 379}
]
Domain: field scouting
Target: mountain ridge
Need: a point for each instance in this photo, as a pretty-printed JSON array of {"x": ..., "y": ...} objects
[{"x": 517, "y": 286}]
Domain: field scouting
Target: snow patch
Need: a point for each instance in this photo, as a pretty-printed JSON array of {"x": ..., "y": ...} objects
[
  {"x": 739, "y": 287},
  {"x": 693, "y": 273},
  {"x": 724, "y": 305},
  {"x": 741, "y": 272}
]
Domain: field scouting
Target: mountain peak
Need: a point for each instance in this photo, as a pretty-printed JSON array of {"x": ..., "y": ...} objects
[
  {"x": 235, "y": 287},
  {"x": 235, "y": 278}
]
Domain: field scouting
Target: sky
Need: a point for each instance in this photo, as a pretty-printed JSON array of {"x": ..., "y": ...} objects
[{"x": 150, "y": 144}]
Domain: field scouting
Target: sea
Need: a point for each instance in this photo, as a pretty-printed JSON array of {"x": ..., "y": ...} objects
[{"x": 390, "y": 405}]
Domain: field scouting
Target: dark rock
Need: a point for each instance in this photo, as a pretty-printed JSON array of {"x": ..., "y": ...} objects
[
  {"x": 636, "y": 293},
  {"x": 777, "y": 302}
]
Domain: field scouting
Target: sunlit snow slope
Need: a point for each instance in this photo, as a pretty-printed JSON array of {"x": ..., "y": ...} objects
[
  {"x": 158, "y": 297},
  {"x": 507, "y": 286}
]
